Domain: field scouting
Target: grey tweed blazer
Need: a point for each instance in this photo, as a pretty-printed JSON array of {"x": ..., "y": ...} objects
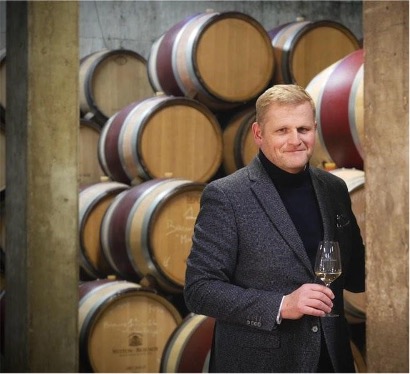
[{"x": 247, "y": 254}]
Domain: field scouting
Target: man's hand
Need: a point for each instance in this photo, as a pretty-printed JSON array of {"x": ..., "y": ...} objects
[{"x": 312, "y": 299}]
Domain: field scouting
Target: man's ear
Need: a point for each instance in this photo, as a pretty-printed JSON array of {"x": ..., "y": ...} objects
[{"x": 257, "y": 132}]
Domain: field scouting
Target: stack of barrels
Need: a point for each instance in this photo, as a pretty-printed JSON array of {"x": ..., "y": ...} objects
[{"x": 153, "y": 133}]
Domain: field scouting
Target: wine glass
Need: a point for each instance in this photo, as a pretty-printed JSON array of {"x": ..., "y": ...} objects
[{"x": 328, "y": 264}]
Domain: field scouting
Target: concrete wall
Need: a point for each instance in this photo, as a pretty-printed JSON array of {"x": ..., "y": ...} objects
[
  {"x": 386, "y": 28},
  {"x": 136, "y": 25},
  {"x": 41, "y": 212}
]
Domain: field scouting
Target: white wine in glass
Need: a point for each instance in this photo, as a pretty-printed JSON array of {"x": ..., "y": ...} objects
[{"x": 328, "y": 264}]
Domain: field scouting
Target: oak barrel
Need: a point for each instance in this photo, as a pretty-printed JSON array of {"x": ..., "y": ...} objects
[
  {"x": 161, "y": 61},
  {"x": 188, "y": 348},
  {"x": 162, "y": 136},
  {"x": 94, "y": 201},
  {"x": 114, "y": 231},
  {"x": 338, "y": 94},
  {"x": 89, "y": 167},
  {"x": 222, "y": 59},
  {"x": 123, "y": 327},
  {"x": 302, "y": 49},
  {"x": 239, "y": 144},
  {"x": 110, "y": 80},
  {"x": 358, "y": 358},
  {"x": 355, "y": 303},
  {"x": 320, "y": 156},
  {"x": 355, "y": 306},
  {"x": 147, "y": 231}
]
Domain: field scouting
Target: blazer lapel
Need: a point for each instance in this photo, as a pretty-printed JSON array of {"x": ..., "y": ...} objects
[
  {"x": 268, "y": 197},
  {"x": 324, "y": 198}
]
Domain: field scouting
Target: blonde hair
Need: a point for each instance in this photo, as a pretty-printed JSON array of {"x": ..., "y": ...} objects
[{"x": 284, "y": 94}]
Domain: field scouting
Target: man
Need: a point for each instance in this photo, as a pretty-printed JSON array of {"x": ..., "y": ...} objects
[{"x": 254, "y": 245}]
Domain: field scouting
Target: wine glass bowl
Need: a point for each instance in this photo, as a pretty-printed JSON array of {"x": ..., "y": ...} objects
[{"x": 328, "y": 264}]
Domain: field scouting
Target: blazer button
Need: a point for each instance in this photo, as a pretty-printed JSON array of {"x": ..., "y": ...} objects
[{"x": 315, "y": 328}]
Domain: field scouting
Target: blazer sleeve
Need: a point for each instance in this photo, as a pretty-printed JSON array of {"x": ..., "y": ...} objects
[{"x": 210, "y": 287}]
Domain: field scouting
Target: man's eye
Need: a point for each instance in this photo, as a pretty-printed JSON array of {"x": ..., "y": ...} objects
[{"x": 303, "y": 130}]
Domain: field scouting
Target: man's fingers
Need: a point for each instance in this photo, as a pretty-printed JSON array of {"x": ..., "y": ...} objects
[
  {"x": 321, "y": 298},
  {"x": 322, "y": 303},
  {"x": 311, "y": 298},
  {"x": 318, "y": 287},
  {"x": 316, "y": 312}
]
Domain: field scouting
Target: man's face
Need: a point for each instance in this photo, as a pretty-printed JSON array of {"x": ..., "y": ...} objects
[{"x": 287, "y": 135}]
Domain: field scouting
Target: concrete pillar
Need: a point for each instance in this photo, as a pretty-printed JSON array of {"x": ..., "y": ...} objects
[
  {"x": 386, "y": 95},
  {"x": 41, "y": 187}
]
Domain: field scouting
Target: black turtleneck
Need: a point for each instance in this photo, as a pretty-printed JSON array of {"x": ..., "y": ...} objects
[{"x": 299, "y": 198}]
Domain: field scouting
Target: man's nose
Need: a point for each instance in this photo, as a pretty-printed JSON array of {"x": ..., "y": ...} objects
[{"x": 294, "y": 137}]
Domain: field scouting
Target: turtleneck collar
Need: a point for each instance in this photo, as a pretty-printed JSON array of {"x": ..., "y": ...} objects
[{"x": 282, "y": 178}]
